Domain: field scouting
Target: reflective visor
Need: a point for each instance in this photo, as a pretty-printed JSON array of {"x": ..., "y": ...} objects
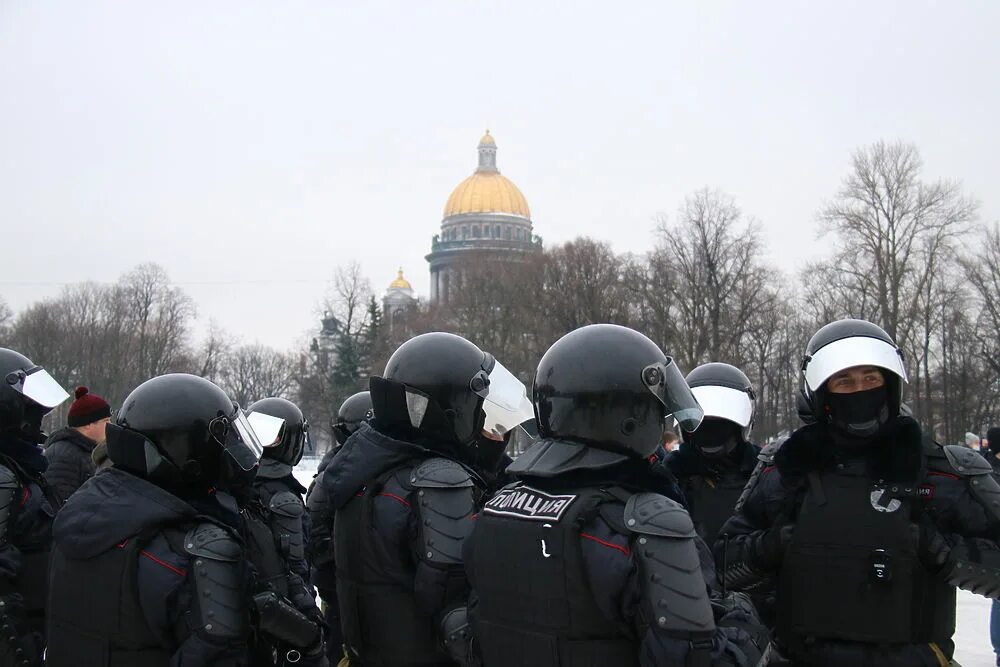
[
  {"x": 42, "y": 388},
  {"x": 725, "y": 403},
  {"x": 268, "y": 429},
  {"x": 849, "y": 352},
  {"x": 668, "y": 385},
  {"x": 506, "y": 404}
]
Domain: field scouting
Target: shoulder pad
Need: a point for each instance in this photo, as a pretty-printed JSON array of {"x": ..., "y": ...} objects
[
  {"x": 219, "y": 604},
  {"x": 318, "y": 500},
  {"x": 767, "y": 452},
  {"x": 286, "y": 503},
  {"x": 440, "y": 474},
  {"x": 653, "y": 514},
  {"x": 208, "y": 540},
  {"x": 967, "y": 462},
  {"x": 445, "y": 517},
  {"x": 286, "y": 511}
]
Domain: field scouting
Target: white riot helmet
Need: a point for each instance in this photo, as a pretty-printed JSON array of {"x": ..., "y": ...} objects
[
  {"x": 846, "y": 344},
  {"x": 727, "y": 397}
]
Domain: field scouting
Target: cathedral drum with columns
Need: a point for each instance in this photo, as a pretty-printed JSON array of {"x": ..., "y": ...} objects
[{"x": 486, "y": 218}]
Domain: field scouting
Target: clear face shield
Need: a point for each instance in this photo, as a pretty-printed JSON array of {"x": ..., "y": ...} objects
[
  {"x": 505, "y": 399},
  {"x": 238, "y": 439},
  {"x": 39, "y": 386},
  {"x": 665, "y": 381}
]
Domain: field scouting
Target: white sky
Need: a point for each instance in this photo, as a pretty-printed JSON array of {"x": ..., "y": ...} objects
[{"x": 249, "y": 147}]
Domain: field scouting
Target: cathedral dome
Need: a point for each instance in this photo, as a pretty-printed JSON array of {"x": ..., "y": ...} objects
[
  {"x": 400, "y": 282},
  {"x": 487, "y": 191}
]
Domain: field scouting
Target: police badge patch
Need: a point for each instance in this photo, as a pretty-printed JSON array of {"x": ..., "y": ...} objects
[
  {"x": 884, "y": 502},
  {"x": 525, "y": 502}
]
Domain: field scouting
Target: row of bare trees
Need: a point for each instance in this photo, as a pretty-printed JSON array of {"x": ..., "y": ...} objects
[
  {"x": 112, "y": 337},
  {"x": 903, "y": 252}
]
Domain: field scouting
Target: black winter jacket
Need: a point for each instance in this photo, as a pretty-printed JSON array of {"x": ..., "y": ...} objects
[
  {"x": 115, "y": 508},
  {"x": 70, "y": 462}
]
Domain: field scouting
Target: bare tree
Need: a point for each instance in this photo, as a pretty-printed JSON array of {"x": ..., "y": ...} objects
[
  {"x": 6, "y": 320},
  {"x": 894, "y": 231},
  {"x": 214, "y": 353},
  {"x": 982, "y": 269},
  {"x": 252, "y": 372},
  {"x": 709, "y": 278}
]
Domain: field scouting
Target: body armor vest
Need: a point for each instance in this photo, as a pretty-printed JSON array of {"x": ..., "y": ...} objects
[
  {"x": 851, "y": 571},
  {"x": 711, "y": 502},
  {"x": 382, "y": 623},
  {"x": 534, "y": 605},
  {"x": 98, "y": 620}
]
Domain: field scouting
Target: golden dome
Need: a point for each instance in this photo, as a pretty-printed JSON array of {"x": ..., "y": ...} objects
[
  {"x": 487, "y": 191},
  {"x": 400, "y": 282}
]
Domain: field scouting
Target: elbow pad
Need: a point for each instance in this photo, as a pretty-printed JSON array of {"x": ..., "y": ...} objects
[{"x": 674, "y": 595}]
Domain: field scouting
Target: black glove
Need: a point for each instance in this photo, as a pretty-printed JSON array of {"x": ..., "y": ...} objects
[
  {"x": 735, "y": 611},
  {"x": 770, "y": 546},
  {"x": 933, "y": 549}
]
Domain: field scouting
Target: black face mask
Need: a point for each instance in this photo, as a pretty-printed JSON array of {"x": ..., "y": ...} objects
[
  {"x": 715, "y": 438},
  {"x": 860, "y": 414}
]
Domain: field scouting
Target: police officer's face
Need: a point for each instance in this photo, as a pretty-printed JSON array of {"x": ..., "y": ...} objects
[{"x": 855, "y": 379}]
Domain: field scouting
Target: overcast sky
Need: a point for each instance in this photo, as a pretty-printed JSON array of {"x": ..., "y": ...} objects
[{"x": 250, "y": 147}]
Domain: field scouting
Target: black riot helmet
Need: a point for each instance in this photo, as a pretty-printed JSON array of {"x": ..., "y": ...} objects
[
  {"x": 611, "y": 388},
  {"x": 356, "y": 409},
  {"x": 27, "y": 394},
  {"x": 286, "y": 442},
  {"x": 846, "y": 344},
  {"x": 727, "y": 397},
  {"x": 444, "y": 390},
  {"x": 181, "y": 431}
]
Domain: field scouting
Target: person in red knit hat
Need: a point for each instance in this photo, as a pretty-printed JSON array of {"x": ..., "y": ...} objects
[{"x": 69, "y": 450}]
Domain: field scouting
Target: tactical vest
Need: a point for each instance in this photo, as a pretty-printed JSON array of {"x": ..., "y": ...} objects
[
  {"x": 711, "y": 502},
  {"x": 534, "y": 604},
  {"x": 97, "y": 619},
  {"x": 382, "y": 623},
  {"x": 851, "y": 571}
]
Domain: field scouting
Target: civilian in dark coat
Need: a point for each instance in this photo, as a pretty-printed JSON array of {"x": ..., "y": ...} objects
[{"x": 69, "y": 450}]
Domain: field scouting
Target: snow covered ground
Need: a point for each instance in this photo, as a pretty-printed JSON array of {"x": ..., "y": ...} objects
[{"x": 972, "y": 638}]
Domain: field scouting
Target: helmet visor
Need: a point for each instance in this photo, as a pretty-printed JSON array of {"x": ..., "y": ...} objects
[
  {"x": 268, "y": 429},
  {"x": 848, "y": 353},
  {"x": 39, "y": 386},
  {"x": 665, "y": 381},
  {"x": 506, "y": 404},
  {"x": 238, "y": 439},
  {"x": 725, "y": 403}
]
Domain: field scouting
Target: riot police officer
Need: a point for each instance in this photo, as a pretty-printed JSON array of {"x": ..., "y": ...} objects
[
  {"x": 148, "y": 567},
  {"x": 865, "y": 529},
  {"x": 27, "y": 505},
  {"x": 405, "y": 492},
  {"x": 581, "y": 562},
  {"x": 353, "y": 411},
  {"x": 278, "y": 551},
  {"x": 714, "y": 462}
]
